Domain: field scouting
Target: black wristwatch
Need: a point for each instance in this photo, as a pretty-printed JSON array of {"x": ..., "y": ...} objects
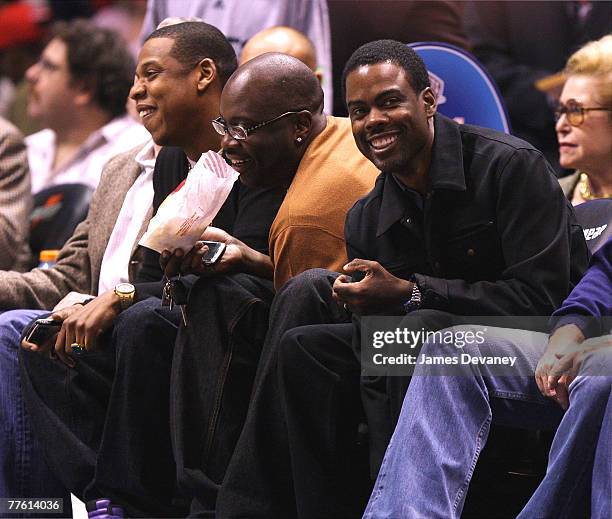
[{"x": 414, "y": 303}]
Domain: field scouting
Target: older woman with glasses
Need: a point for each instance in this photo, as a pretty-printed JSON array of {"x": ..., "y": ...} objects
[{"x": 584, "y": 122}]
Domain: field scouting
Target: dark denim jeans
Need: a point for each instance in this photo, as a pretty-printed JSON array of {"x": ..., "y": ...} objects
[
  {"x": 215, "y": 360},
  {"x": 104, "y": 424},
  {"x": 295, "y": 412},
  {"x": 23, "y": 470}
]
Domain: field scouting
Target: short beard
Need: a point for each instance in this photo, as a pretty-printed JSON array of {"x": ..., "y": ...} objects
[{"x": 397, "y": 165}]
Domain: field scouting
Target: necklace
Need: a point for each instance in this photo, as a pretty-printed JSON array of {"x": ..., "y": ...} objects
[{"x": 584, "y": 188}]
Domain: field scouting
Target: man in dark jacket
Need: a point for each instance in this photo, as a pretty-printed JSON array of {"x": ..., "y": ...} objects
[{"x": 463, "y": 220}]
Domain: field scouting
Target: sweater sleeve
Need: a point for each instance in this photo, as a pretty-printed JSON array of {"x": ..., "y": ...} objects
[{"x": 591, "y": 299}]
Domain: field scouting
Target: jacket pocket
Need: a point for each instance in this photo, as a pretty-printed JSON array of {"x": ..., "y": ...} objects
[{"x": 474, "y": 253}]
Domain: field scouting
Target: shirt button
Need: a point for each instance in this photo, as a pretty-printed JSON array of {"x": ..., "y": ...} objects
[
  {"x": 437, "y": 265},
  {"x": 471, "y": 252}
]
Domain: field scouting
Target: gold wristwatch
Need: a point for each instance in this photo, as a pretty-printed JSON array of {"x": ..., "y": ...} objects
[{"x": 126, "y": 293}]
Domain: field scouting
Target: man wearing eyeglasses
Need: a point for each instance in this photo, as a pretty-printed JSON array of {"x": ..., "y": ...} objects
[
  {"x": 463, "y": 221},
  {"x": 274, "y": 134}
]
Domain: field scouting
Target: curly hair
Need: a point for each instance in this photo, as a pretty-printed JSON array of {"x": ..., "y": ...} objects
[
  {"x": 389, "y": 51},
  {"x": 594, "y": 59},
  {"x": 100, "y": 59}
]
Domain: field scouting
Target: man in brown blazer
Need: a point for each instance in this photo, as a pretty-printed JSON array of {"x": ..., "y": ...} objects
[
  {"x": 176, "y": 107},
  {"x": 74, "y": 277},
  {"x": 15, "y": 199},
  {"x": 79, "y": 261}
]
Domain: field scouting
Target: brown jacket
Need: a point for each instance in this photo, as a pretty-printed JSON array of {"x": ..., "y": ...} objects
[
  {"x": 78, "y": 265},
  {"x": 15, "y": 199},
  {"x": 568, "y": 184}
]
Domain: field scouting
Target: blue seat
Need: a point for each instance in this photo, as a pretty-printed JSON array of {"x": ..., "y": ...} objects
[{"x": 464, "y": 89}]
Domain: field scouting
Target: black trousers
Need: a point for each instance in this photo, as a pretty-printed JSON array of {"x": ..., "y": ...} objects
[
  {"x": 290, "y": 413},
  {"x": 113, "y": 409},
  {"x": 214, "y": 363},
  {"x": 299, "y": 454},
  {"x": 104, "y": 425}
]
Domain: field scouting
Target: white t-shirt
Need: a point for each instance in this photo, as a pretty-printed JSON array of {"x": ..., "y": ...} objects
[{"x": 119, "y": 135}]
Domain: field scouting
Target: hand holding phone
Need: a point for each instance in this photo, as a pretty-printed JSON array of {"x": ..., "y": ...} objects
[
  {"x": 215, "y": 251},
  {"x": 42, "y": 330}
]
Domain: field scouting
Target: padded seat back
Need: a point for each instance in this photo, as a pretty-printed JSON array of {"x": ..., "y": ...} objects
[
  {"x": 595, "y": 217},
  {"x": 463, "y": 88},
  {"x": 57, "y": 211}
]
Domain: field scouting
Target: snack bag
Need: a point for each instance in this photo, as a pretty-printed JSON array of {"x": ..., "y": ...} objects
[{"x": 184, "y": 214}]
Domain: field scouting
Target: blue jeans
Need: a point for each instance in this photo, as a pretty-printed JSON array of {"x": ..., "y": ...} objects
[
  {"x": 445, "y": 421},
  {"x": 23, "y": 471}
]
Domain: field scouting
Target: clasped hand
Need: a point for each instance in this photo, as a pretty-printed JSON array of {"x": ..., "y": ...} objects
[
  {"x": 562, "y": 360},
  {"x": 379, "y": 292}
]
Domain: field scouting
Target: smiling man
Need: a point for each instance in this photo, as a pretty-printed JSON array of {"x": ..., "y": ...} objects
[
  {"x": 448, "y": 229},
  {"x": 177, "y": 88},
  {"x": 274, "y": 134}
]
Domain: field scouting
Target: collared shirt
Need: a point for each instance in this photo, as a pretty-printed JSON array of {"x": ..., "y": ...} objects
[
  {"x": 497, "y": 236},
  {"x": 85, "y": 167},
  {"x": 137, "y": 202}
]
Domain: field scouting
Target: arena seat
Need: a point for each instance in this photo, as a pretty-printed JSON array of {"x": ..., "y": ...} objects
[
  {"x": 595, "y": 217},
  {"x": 57, "y": 211},
  {"x": 464, "y": 89}
]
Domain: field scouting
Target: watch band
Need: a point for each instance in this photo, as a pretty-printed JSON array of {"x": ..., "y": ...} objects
[
  {"x": 125, "y": 292},
  {"x": 414, "y": 303}
]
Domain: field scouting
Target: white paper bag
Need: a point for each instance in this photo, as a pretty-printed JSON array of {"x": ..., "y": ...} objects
[{"x": 184, "y": 214}]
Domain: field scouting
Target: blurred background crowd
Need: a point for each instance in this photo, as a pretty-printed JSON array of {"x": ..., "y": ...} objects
[{"x": 518, "y": 42}]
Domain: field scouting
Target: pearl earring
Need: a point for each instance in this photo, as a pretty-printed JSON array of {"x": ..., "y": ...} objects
[{"x": 299, "y": 139}]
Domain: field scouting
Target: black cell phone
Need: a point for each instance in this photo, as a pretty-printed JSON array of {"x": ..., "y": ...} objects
[
  {"x": 42, "y": 330},
  {"x": 215, "y": 251}
]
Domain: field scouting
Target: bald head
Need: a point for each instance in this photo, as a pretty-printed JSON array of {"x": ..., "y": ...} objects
[
  {"x": 281, "y": 39},
  {"x": 275, "y": 83}
]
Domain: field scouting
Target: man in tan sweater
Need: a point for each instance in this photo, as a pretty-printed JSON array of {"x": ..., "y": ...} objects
[
  {"x": 315, "y": 159},
  {"x": 275, "y": 134}
]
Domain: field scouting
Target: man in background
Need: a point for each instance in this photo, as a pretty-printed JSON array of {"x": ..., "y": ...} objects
[
  {"x": 78, "y": 92},
  {"x": 282, "y": 39}
]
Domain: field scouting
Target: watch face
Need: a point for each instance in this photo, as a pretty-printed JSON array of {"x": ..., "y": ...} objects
[{"x": 124, "y": 288}]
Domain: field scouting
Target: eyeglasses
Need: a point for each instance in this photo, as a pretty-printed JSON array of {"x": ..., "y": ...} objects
[
  {"x": 574, "y": 112},
  {"x": 240, "y": 133}
]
